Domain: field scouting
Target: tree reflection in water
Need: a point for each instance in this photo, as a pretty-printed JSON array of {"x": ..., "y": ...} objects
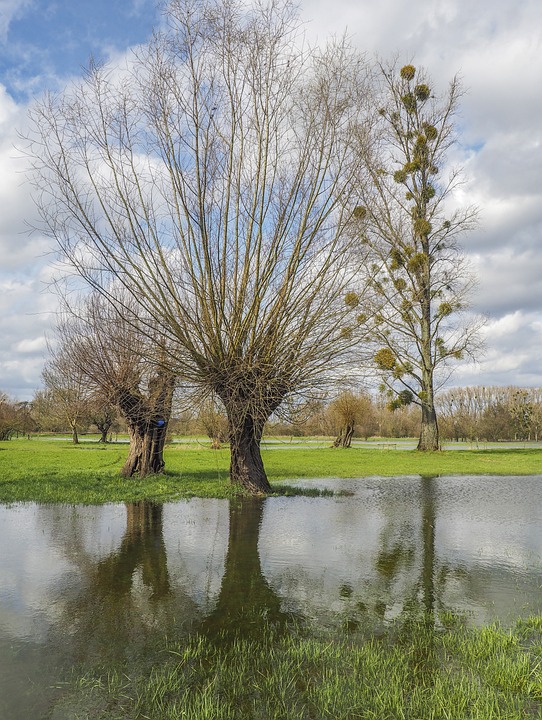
[
  {"x": 405, "y": 552},
  {"x": 247, "y": 603},
  {"x": 429, "y": 520},
  {"x": 143, "y": 548},
  {"x": 126, "y": 601},
  {"x": 108, "y": 593},
  {"x": 406, "y": 580}
]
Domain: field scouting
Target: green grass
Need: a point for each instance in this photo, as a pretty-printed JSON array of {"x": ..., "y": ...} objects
[
  {"x": 452, "y": 673},
  {"x": 362, "y": 462},
  {"x": 58, "y": 471}
]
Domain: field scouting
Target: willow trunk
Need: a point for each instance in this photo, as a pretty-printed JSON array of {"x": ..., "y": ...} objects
[
  {"x": 146, "y": 454},
  {"x": 246, "y": 464}
]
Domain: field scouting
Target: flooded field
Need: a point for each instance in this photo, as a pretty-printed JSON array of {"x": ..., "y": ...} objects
[{"x": 82, "y": 585}]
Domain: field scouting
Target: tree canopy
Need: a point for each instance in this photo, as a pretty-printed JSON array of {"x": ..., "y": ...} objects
[{"x": 213, "y": 178}]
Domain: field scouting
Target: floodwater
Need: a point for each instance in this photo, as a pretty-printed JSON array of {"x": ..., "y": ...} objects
[{"x": 82, "y": 586}]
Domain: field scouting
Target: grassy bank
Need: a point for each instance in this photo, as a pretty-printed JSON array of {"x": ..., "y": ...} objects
[
  {"x": 58, "y": 471},
  {"x": 454, "y": 672}
]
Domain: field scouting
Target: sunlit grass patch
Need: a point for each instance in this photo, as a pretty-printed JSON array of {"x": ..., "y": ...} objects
[{"x": 58, "y": 471}]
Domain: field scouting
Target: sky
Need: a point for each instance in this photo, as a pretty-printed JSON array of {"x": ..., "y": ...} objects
[{"x": 495, "y": 46}]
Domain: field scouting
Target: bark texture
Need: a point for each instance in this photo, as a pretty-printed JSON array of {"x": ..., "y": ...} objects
[
  {"x": 246, "y": 464},
  {"x": 429, "y": 432},
  {"x": 146, "y": 454},
  {"x": 148, "y": 419},
  {"x": 75, "y": 435}
]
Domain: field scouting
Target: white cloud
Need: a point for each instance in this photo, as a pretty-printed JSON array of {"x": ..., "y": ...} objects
[
  {"x": 505, "y": 325},
  {"x": 27, "y": 314},
  {"x": 508, "y": 280},
  {"x": 514, "y": 352},
  {"x": 35, "y": 345},
  {"x": 26, "y": 308},
  {"x": 19, "y": 250}
]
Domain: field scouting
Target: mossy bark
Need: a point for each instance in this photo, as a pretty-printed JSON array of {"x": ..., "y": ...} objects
[{"x": 146, "y": 454}]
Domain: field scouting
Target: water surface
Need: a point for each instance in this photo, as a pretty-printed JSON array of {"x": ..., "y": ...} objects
[{"x": 86, "y": 585}]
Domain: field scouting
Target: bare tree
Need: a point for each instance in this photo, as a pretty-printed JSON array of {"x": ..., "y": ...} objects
[
  {"x": 213, "y": 178},
  {"x": 212, "y": 418},
  {"x": 103, "y": 414},
  {"x": 522, "y": 411},
  {"x": 407, "y": 219},
  {"x": 126, "y": 368},
  {"x": 491, "y": 413},
  {"x": 348, "y": 410},
  {"x": 15, "y": 418},
  {"x": 68, "y": 390}
]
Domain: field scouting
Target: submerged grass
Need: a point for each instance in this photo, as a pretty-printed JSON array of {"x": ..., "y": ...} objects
[
  {"x": 450, "y": 673},
  {"x": 58, "y": 471}
]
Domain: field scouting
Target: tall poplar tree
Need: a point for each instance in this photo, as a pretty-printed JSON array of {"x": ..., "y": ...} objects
[{"x": 408, "y": 220}]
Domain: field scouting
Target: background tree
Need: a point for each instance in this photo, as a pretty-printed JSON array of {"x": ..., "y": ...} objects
[
  {"x": 14, "y": 418},
  {"x": 349, "y": 411},
  {"x": 213, "y": 420},
  {"x": 495, "y": 423},
  {"x": 535, "y": 395},
  {"x": 102, "y": 414},
  {"x": 308, "y": 418},
  {"x": 127, "y": 369},
  {"x": 67, "y": 389},
  {"x": 43, "y": 413},
  {"x": 491, "y": 413},
  {"x": 213, "y": 177},
  {"x": 522, "y": 410},
  {"x": 419, "y": 272},
  {"x": 399, "y": 422},
  {"x": 464, "y": 409},
  {"x": 454, "y": 414}
]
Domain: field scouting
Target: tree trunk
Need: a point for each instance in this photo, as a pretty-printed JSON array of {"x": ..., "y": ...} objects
[
  {"x": 146, "y": 454},
  {"x": 344, "y": 438},
  {"x": 148, "y": 419},
  {"x": 429, "y": 434},
  {"x": 347, "y": 437},
  {"x": 75, "y": 436},
  {"x": 246, "y": 464},
  {"x": 103, "y": 433}
]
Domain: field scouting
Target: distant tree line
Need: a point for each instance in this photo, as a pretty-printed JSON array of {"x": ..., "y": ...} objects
[
  {"x": 15, "y": 418},
  {"x": 469, "y": 414},
  {"x": 491, "y": 413}
]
